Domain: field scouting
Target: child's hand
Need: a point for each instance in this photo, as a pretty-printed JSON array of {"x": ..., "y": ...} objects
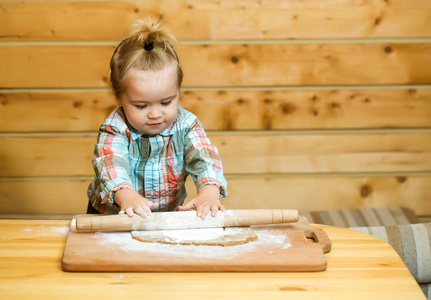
[
  {"x": 131, "y": 202},
  {"x": 207, "y": 200}
]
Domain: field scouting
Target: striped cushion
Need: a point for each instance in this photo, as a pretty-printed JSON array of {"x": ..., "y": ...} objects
[
  {"x": 413, "y": 245},
  {"x": 363, "y": 217},
  {"x": 426, "y": 288}
]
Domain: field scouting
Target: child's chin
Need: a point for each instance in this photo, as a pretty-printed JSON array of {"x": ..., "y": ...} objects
[{"x": 153, "y": 131}]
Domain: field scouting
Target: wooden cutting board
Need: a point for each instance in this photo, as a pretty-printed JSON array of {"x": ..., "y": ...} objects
[{"x": 282, "y": 247}]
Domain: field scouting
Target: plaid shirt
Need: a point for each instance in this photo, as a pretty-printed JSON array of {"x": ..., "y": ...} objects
[{"x": 154, "y": 166}]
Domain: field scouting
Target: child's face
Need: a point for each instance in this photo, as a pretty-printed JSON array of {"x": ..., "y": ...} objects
[{"x": 150, "y": 99}]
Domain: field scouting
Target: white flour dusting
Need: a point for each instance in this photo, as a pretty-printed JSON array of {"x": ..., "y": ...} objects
[
  {"x": 47, "y": 229},
  {"x": 121, "y": 276},
  {"x": 124, "y": 242}
]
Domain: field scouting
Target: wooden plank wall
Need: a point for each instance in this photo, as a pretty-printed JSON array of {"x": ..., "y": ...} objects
[{"x": 313, "y": 105}]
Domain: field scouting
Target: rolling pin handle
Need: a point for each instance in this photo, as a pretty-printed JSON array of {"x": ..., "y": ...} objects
[
  {"x": 277, "y": 216},
  {"x": 289, "y": 215},
  {"x": 88, "y": 223},
  {"x": 284, "y": 216},
  {"x": 83, "y": 224}
]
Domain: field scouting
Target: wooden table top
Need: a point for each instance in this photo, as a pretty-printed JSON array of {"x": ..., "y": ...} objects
[{"x": 359, "y": 266}]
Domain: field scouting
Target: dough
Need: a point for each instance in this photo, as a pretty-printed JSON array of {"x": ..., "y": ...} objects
[{"x": 206, "y": 236}]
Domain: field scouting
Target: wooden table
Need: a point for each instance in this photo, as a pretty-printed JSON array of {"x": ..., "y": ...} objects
[{"x": 360, "y": 266}]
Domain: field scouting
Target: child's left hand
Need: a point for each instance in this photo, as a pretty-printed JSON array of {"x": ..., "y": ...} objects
[{"x": 207, "y": 200}]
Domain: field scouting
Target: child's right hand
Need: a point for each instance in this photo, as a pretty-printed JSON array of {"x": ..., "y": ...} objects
[{"x": 131, "y": 203}]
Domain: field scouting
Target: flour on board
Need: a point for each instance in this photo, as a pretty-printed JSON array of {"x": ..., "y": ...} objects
[{"x": 123, "y": 243}]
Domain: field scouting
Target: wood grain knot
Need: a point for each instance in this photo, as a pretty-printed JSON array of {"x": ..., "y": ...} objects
[
  {"x": 77, "y": 104},
  {"x": 401, "y": 179},
  {"x": 288, "y": 108},
  {"x": 366, "y": 190}
]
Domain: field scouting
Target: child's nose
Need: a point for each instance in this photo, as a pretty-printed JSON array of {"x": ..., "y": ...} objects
[{"x": 154, "y": 113}]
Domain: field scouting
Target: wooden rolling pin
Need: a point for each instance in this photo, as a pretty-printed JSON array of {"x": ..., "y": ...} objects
[{"x": 186, "y": 220}]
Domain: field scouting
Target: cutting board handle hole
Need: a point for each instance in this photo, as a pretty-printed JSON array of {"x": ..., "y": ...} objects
[
  {"x": 319, "y": 238},
  {"x": 311, "y": 237}
]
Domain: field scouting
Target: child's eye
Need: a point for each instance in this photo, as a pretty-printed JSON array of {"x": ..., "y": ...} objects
[
  {"x": 165, "y": 103},
  {"x": 141, "y": 106}
]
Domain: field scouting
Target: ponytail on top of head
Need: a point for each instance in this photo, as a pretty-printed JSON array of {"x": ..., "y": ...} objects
[{"x": 148, "y": 47}]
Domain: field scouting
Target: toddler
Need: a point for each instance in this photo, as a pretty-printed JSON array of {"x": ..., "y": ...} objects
[{"x": 149, "y": 144}]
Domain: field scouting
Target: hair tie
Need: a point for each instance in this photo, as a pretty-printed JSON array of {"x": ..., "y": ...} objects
[{"x": 148, "y": 45}]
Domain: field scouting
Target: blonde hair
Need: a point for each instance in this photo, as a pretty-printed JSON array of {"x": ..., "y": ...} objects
[{"x": 148, "y": 47}]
